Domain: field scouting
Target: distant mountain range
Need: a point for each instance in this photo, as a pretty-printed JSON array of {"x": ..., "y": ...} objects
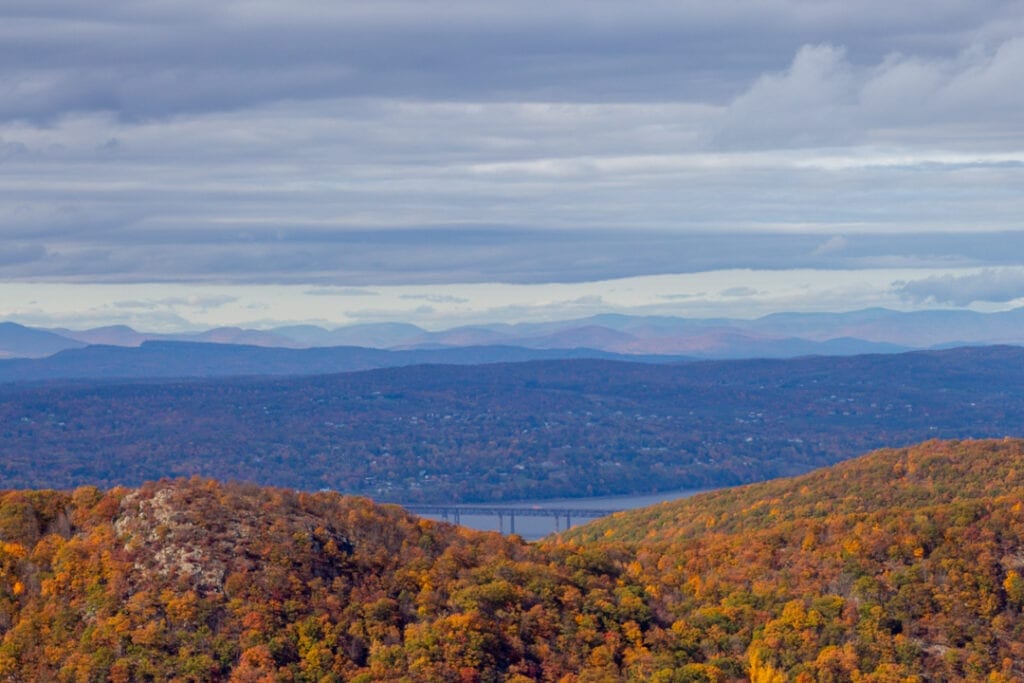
[
  {"x": 782, "y": 335},
  {"x": 18, "y": 341},
  {"x": 170, "y": 359}
]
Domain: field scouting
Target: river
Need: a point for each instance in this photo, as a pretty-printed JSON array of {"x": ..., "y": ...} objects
[{"x": 533, "y": 528}]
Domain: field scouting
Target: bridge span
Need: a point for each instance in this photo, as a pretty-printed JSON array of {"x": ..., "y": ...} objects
[{"x": 455, "y": 512}]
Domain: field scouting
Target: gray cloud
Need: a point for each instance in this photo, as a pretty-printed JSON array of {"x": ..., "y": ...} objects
[
  {"x": 990, "y": 285},
  {"x": 14, "y": 254},
  {"x": 346, "y": 263},
  {"x": 824, "y": 98},
  {"x": 345, "y": 144},
  {"x": 191, "y": 56}
]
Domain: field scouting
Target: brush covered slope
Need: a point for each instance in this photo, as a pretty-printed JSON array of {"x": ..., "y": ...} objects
[{"x": 902, "y": 565}]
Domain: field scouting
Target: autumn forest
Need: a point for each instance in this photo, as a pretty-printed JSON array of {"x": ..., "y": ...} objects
[{"x": 904, "y": 564}]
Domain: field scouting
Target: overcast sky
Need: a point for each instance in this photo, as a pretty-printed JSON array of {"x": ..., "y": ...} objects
[{"x": 173, "y": 163}]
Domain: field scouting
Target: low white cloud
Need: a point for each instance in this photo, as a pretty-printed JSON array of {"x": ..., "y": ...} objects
[
  {"x": 712, "y": 294},
  {"x": 201, "y": 304},
  {"x": 997, "y": 285},
  {"x": 436, "y": 298},
  {"x": 340, "y": 291}
]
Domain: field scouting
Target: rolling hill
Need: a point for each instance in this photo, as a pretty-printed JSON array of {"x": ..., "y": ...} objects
[
  {"x": 176, "y": 359},
  {"x": 902, "y": 565},
  {"x": 905, "y": 564}
]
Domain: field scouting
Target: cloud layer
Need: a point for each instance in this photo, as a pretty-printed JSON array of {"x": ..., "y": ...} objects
[{"x": 354, "y": 144}]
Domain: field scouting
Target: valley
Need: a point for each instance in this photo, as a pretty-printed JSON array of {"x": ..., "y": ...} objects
[
  {"x": 522, "y": 342},
  {"x": 507, "y": 431}
]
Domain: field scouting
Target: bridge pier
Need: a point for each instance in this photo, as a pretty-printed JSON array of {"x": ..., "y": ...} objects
[{"x": 455, "y": 512}]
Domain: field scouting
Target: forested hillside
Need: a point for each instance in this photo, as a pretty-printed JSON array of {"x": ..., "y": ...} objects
[
  {"x": 509, "y": 431},
  {"x": 902, "y": 565}
]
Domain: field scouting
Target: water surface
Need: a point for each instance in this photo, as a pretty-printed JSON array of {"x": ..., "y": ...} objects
[{"x": 533, "y": 528}]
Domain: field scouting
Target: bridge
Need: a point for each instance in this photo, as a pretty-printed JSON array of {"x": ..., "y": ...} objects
[{"x": 455, "y": 512}]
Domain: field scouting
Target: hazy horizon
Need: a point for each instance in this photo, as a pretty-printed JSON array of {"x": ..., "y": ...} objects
[{"x": 178, "y": 308}]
